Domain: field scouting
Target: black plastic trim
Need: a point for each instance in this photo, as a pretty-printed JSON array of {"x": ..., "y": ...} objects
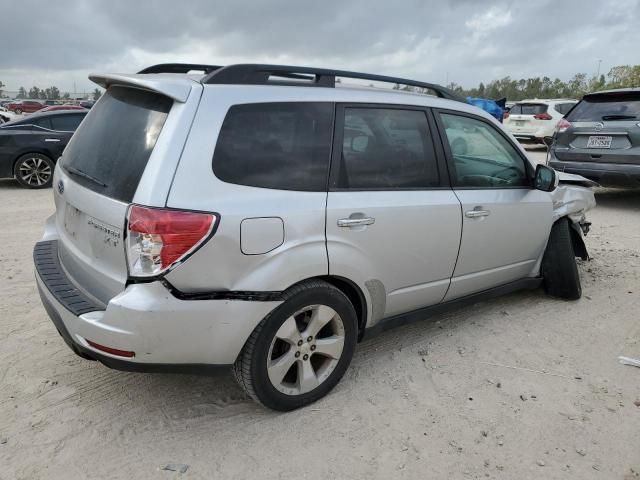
[
  {"x": 529, "y": 283},
  {"x": 47, "y": 263},
  {"x": 246, "y": 295}
]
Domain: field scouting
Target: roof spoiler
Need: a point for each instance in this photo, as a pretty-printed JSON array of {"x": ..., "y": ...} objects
[{"x": 177, "y": 89}]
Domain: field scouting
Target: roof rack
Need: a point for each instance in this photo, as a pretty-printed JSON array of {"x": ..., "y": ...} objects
[
  {"x": 180, "y": 68},
  {"x": 258, "y": 74}
]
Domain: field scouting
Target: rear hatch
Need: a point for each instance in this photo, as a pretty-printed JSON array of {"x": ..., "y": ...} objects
[
  {"x": 604, "y": 128},
  {"x": 522, "y": 118},
  {"x": 96, "y": 181}
]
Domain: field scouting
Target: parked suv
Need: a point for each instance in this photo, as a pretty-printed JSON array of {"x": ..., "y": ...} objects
[
  {"x": 24, "y": 106},
  {"x": 600, "y": 138},
  {"x": 265, "y": 217},
  {"x": 536, "y": 120}
]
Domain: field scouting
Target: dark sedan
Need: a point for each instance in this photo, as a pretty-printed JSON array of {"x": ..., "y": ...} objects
[{"x": 29, "y": 147}]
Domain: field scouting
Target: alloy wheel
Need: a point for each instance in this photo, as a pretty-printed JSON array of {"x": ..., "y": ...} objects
[
  {"x": 35, "y": 171},
  {"x": 305, "y": 350}
]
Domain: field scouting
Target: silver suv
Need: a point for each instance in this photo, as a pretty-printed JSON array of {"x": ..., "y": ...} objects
[{"x": 265, "y": 217}]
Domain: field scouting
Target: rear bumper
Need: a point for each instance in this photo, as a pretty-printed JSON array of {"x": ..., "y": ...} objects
[
  {"x": 166, "y": 333},
  {"x": 606, "y": 174}
]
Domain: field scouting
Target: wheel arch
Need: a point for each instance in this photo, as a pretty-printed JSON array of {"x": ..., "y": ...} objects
[
  {"x": 40, "y": 151},
  {"x": 353, "y": 292}
]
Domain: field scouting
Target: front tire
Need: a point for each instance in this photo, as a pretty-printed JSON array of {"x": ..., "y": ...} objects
[
  {"x": 301, "y": 350},
  {"x": 34, "y": 170},
  {"x": 559, "y": 268}
]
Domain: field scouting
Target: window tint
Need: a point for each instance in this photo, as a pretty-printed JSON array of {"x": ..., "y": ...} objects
[
  {"x": 483, "y": 158},
  {"x": 528, "y": 109},
  {"x": 386, "y": 149},
  {"x": 66, "y": 123},
  {"x": 612, "y": 106},
  {"x": 42, "y": 122},
  {"x": 276, "y": 145},
  {"x": 563, "y": 108},
  {"x": 114, "y": 144}
]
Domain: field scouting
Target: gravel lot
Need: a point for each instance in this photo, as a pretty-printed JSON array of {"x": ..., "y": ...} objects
[{"x": 519, "y": 387}]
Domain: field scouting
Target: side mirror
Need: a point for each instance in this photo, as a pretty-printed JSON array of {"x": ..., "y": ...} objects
[{"x": 546, "y": 179}]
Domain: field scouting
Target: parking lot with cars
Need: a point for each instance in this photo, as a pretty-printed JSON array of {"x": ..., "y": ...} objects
[{"x": 523, "y": 386}]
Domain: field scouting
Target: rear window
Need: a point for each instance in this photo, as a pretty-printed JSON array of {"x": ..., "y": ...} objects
[
  {"x": 528, "y": 109},
  {"x": 110, "y": 150},
  {"x": 607, "y": 107},
  {"x": 283, "y": 146}
]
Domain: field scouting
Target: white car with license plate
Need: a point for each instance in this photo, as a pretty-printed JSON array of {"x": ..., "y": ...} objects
[{"x": 536, "y": 120}]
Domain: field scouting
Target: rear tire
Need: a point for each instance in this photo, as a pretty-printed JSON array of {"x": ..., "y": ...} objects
[
  {"x": 559, "y": 267},
  {"x": 18, "y": 111},
  {"x": 280, "y": 367},
  {"x": 34, "y": 170}
]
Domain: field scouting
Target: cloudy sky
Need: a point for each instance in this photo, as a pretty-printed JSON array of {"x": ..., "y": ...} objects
[{"x": 466, "y": 41}]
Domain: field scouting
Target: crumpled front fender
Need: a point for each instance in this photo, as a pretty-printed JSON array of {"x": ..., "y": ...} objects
[{"x": 573, "y": 197}]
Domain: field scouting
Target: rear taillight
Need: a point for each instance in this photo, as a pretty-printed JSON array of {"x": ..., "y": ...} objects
[
  {"x": 505, "y": 115},
  {"x": 159, "y": 238},
  {"x": 563, "y": 126},
  {"x": 543, "y": 116}
]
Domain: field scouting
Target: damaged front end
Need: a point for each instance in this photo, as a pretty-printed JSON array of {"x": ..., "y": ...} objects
[{"x": 572, "y": 199}]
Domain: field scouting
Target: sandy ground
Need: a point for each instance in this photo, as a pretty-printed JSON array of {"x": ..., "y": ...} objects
[{"x": 521, "y": 387}]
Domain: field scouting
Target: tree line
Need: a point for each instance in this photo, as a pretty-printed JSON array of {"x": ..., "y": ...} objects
[
  {"x": 49, "y": 93},
  {"x": 622, "y": 76}
]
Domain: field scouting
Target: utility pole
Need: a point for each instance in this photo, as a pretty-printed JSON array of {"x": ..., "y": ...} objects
[{"x": 598, "y": 74}]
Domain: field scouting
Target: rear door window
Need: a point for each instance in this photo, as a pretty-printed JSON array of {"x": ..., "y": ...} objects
[
  {"x": 528, "y": 109},
  {"x": 66, "y": 123},
  {"x": 110, "y": 150},
  {"x": 44, "y": 122},
  {"x": 284, "y": 146},
  {"x": 386, "y": 149},
  {"x": 608, "y": 107}
]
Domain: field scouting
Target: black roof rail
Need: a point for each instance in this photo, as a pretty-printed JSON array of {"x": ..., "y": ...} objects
[
  {"x": 257, "y": 74},
  {"x": 180, "y": 68}
]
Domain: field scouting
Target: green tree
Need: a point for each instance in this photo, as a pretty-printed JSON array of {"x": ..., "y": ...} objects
[
  {"x": 52, "y": 93},
  {"x": 66, "y": 96},
  {"x": 22, "y": 93},
  {"x": 2, "y": 85},
  {"x": 34, "y": 92},
  {"x": 96, "y": 94}
]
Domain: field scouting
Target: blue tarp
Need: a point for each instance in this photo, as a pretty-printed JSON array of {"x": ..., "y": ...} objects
[{"x": 487, "y": 105}]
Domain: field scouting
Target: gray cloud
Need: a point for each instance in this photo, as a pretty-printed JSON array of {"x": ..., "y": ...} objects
[{"x": 464, "y": 40}]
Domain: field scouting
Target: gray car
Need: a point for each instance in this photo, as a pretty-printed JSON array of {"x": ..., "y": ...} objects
[
  {"x": 600, "y": 138},
  {"x": 268, "y": 217}
]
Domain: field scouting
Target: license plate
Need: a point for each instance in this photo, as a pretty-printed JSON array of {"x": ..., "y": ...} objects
[
  {"x": 71, "y": 219},
  {"x": 519, "y": 123},
  {"x": 599, "y": 141}
]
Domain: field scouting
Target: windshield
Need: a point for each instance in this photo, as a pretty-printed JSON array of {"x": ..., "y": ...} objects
[
  {"x": 110, "y": 149},
  {"x": 607, "y": 107}
]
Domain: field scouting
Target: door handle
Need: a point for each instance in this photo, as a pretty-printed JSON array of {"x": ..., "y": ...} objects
[
  {"x": 477, "y": 212},
  {"x": 51, "y": 139},
  {"x": 356, "y": 222}
]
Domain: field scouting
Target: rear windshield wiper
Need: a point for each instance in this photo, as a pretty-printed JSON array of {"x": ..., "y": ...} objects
[
  {"x": 80, "y": 173},
  {"x": 619, "y": 117}
]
